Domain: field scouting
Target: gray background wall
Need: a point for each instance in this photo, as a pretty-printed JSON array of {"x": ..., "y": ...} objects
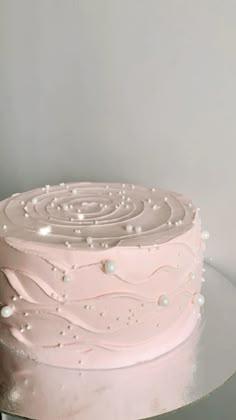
[{"x": 129, "y": 90}]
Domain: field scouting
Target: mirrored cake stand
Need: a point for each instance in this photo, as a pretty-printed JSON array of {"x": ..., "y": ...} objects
[{"x": 190, "y": 372}]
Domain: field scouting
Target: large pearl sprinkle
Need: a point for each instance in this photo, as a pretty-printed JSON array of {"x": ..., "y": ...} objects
[
  {"x": 109, "y": 267},
  {"x": 89, "y": 240},
  {"x": 138, "y": 229},
  {"x": 205, "y": 235},
  {"x": 6, "y": 311},
  {"x": 163, "y": 300},
  {"x": 129, "y": 228},
  {"x": 199, "y": 299}
]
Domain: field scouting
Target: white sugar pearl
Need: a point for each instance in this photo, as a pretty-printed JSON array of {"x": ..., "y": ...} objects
[
  {"x": 44, "y": 230},
  {"x": 163, "y": 300},
  {"x": 34, "y": 200},
  {"x": 199, "y": 299},
  {"x": 67, "y": 244},
  {"x": 66, "y": 278},
  {"x": 205, "y": 235},
  {"x": 138, "y": 229},
  {"x": 26, "y": 215},
  {"x": 89, "y": 240},
  {"x": 6, "y": 312},
  {"x": 4, "y": 227},
  {"x": 165, "y": 199},
  {"x": 129, "y": 228},
  {"x": 109, "y": 267},
  {"x": 154, "y": 207},
  {"x": 149, "y": 200}
]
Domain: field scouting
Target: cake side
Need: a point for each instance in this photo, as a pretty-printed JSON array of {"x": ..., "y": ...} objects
[{"x": 102, "y": 307}]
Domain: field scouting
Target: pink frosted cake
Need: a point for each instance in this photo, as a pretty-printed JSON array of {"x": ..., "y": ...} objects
[{"x": 97, "y": 275}]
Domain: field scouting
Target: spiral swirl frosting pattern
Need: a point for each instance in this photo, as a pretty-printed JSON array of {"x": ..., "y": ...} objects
[{"x": 96, "y": 215}]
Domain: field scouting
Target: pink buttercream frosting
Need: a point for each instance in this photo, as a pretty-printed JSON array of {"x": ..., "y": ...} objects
[{"x": 67, "y": 309}]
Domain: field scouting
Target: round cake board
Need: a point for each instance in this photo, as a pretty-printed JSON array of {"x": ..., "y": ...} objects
[{"x": 190, "y": 372}]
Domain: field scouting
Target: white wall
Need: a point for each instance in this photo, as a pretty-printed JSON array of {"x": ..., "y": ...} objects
[{"x": 131, "y": 90}]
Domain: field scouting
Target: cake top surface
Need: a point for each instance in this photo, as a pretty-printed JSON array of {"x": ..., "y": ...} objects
[{"x": 90, "y": 215}]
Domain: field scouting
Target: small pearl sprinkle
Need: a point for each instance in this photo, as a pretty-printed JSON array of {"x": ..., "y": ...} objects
[
  {"x": 71, "y": 206},
  {"x": 86, "y": 306},
  {"x": 67, "y": 244},
  {"x": 190, "y": 204},
  {"x": 60, "y": 345},
  {"x": 109, "y": 267},
  {"x": 153, "y": 189},
  {"x": 14, "y": 298},
  {"x": 58, "y": 208},
  {"x": 20, "y": 297},
  {"x": 120, "y": 192},
  {"x": 26, "y": 313},
  {"x": 105, "y": 206},
  {"x": 180, "y": 222},
  {"x": 205, "y": 235},
  {"x": 110, "y": 193},
  {"x": 34, "y": 200},
  {"x": 43, "y": 189},
  {"x": 106, "y": 245},
  {"x": 128, "y": 199},
  {"x": 65, "y": 207},
  {"x": 127, "y": 206},
  {"x": 55, "y": 198},
  {"x": 76, "y": 337},
  {"x": 70, "y": 327},
  {"x": 26, "y": 215},
  {"x": 6, "y": 312},
  {"x": 58, "y": 309},
  {"x": 123, "y": 185},
  {"x": 129, "y": 228},
  {"x": 132, "y": 186},
  {"x": 52, "y": 204},
  {"x": 176, "y": 223},
  {"x": 169, "y": 223},
  {"x": 22, "y": 203},
  {"x": 163, "y": 300},
  {"x": 89, "y": 240},
  {"x": 96, "y": 222},
  {"x": 62, "y": 184},
  {"x": 22, "y": 330},
  {"x": 4, "y": 227},
  {"x": 165, "y": 199},
  {"x": 192, "y": 276},
  {"x": 107, "y": 186},
  {"x": 203, "y": 270},
  {"x": 74, "y": 191},
  {"x": 47, "y": 187},
  {"x": 62, "y": 333},
  {"x": 80, "y": 216},
  {"x": 101, "y": 205},
  {"x": 138, "y": 229},
  {"x": 149, "y": 200},
  {"x": 77, "y": 230},
  {"x": 154, "y": 207},
  {"x": 54, "y": 269},
  {"x": 203, "y": 280},
  {"x": 28, "y": 327},
  {"x": 122, "y": 203},
  {"x": 101, "y": 314},
  {"x": 66, "y": 278},
  {"x": 199, "y": 299}
]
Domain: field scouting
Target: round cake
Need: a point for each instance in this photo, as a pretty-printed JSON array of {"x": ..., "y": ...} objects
[{"x": 98, "y": 276}]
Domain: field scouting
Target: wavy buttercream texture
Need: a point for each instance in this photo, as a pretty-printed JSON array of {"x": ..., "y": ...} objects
[{"x": 67, "y": 310}]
